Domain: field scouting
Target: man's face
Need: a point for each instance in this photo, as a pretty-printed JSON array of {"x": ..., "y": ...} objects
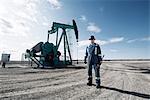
[{"x": 92, "y": 41}]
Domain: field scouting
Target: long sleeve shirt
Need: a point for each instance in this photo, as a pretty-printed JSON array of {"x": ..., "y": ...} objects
[{"x": 93, "y": 53}]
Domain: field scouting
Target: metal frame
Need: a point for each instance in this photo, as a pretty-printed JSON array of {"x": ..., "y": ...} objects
[
  {"x": 55, "y": 28},
  {"x": 66, "y": 44}
]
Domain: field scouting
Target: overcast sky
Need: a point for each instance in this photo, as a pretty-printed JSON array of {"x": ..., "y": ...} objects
[{"x": 121, "y": 27}]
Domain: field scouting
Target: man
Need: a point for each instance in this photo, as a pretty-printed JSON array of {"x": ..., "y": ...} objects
[{"x": 93, "y": 53}]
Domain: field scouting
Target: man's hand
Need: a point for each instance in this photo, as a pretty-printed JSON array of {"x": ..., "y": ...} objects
[
  {"x": 85, "y": 60},
  {"x": 100, "y": 62},
  {"x": 98, "y": 65}
]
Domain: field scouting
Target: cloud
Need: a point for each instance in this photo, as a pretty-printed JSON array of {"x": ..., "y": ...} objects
[
  {"x": 83, "y": 43},
  {"x": 145, "y": 39},
  {"x": 117, "y": 39},
  {"x": 17, "y": 21},
  {"x": 83, "y": 18},
  {"x": 20, "y": 17},
  {"x": 45, "y": 24},
  {"x": 138, "y": 40},
  {"x": 131, "y": 41},
  {"x": 55, "y": 4},
  {"x": 93, "y": 28},
  {"x": 101, "y": 42},
  {"x": 113, "y": 50}
]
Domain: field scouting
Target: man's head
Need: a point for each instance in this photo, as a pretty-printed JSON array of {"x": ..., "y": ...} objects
[{"x": 92, "y": 39}]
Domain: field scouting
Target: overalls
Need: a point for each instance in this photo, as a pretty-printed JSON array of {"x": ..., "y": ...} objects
[{"x": 93, "y": 53}]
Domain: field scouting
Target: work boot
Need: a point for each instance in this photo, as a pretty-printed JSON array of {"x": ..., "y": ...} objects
[
  {"x": 98, "y": 83},
  {"x": 89, "y": 81}
]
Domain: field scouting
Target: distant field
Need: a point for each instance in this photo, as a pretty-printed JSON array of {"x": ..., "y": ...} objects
[{"x": 81, "y": 61}]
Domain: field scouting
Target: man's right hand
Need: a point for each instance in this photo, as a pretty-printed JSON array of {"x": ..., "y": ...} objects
[
  {"x": 85, "y": 59},
  {"x": 85, "y": 62}
]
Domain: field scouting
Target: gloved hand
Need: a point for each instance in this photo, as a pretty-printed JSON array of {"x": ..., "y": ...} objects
[
  {"x": 98, "y": 65},
  {"x": 85, "y": 60},
  {"x": 100, "y": 60}
]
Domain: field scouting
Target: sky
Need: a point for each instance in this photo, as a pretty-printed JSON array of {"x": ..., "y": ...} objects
[{"x": 121, "y": 27}]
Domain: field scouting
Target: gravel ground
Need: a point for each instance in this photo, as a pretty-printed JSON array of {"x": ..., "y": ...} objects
[{"x": 120, "y": 81}]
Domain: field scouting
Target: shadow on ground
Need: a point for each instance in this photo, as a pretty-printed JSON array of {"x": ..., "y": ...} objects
[{"x": 146, "y": 96}]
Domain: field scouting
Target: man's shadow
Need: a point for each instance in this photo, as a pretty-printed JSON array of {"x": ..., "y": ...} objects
[{"x": 142, "y": 95}]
